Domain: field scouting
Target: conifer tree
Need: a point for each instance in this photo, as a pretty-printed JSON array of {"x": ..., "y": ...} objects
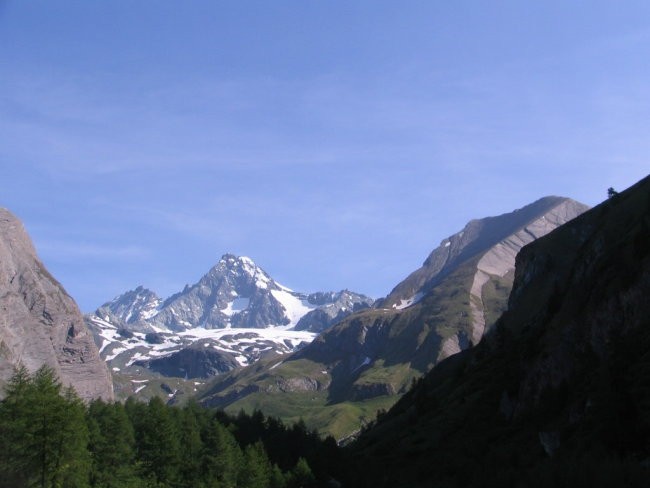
[
  {"x": 158, "y": 448},
  {"x": 222, "y": 460},
  {"x": 301, "y": 474},
  {"x": 112, "y": 446},
  {"x": 45, "y": 433},
  {"x": 277, "y": 478},
  {"x": 257, "y": 469},
  {"x": 191, "y": 448},
  {"x": 14, "y": 456}
]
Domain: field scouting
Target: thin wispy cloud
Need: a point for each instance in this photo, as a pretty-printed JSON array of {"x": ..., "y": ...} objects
[
  {"x": 150, "y": 145},
  {"x": 72, "y": 250}
]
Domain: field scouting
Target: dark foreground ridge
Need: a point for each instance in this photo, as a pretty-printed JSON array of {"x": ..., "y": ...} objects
[{"x": 558, "y": 394}]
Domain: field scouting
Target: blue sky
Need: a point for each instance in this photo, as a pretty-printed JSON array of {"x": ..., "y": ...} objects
[{"x": 334, "y": 142}]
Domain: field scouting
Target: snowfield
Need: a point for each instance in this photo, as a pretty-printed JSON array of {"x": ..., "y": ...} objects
[{"x": 245, "y": 343}]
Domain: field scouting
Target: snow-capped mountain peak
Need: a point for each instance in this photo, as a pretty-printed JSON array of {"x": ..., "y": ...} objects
[
  {"x": 234, "y": 294},
  {"x": 134, "y": 306},
  {"x": 241, "y": 266}
]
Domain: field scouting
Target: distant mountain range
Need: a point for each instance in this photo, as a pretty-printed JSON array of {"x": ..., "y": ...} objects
[
  {"x": 557, "y": 393},
  {"x": 365, "y": 361},
  {"x": 233, "y": 316},
  {"x": 40, "y": 324}
]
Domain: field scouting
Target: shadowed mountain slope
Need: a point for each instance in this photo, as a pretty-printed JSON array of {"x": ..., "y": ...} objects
[
  {"x": 366, "y": 360},
  {"x": 558, "y": 394}
]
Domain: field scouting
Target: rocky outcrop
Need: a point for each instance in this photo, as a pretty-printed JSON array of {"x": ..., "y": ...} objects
[
  {"x": 332, "y": 308},
  {"x": 499, "y": 260},
  {"x": 366, "y": 391},
  {"x": 296, "y": 384},
  {"x": 197, "y": 361},
  {"x": 40, "y": 324},
  {"x": 133, "y": 307},
  {"x": 496, "y": 241}
]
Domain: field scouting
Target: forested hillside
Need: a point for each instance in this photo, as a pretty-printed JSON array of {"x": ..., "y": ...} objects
[{"x": 50, "y": 438}]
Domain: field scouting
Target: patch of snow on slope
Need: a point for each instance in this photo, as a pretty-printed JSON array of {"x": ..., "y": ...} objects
[
  {"x": 244, "y": 343},
  {"x": 408, "y": 302},
  {"x": 155, "y": 328},
  {"x": 284, "y": 288},
  {"x": 261, "y": 279},
  {"x": 365, "y": 362},
  {"x": 237, "y": 305},
  {"x": 136, "y": 357},
  {"x": 115, "y": 353},
  {"x": 104, "y": 344},
  {"x": 272, "y": 334},
  {"x": 163, "y": 352},
  {"x": 147, "y": 314},
  {"x": 294, "y": 307}
]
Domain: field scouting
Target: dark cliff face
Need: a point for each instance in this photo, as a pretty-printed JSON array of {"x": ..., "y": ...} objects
[
  {"x": 559, "y": 388},
  {"x": 585, "y": 291},
  {"x": 40, "y": 324}
]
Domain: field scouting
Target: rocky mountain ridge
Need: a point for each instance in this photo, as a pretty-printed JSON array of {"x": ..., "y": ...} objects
[
  {"x": 498, "y": 238},
  {"x": 40, "y": 324},
  {"x": 234, "y": 293}
]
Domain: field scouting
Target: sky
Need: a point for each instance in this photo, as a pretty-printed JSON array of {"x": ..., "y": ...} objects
[{"x": 335, "y": 142}]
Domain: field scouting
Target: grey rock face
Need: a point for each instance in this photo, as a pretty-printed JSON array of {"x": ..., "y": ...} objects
[
  {"x": 495, "y": 242},
  {"x": 506, "y": 233},
  {"x": 132, "y": 307},
  {"x": 234, "y": 293},
  {"x": 333, "y": 307},
  {"x": 40, "y": 324},
  {"x": 192, "y": 362}
]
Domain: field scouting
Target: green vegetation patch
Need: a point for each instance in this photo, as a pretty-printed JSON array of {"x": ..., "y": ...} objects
[
  {"x": 338, "y": 420},
  {"x": 397, "y": 375}
]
